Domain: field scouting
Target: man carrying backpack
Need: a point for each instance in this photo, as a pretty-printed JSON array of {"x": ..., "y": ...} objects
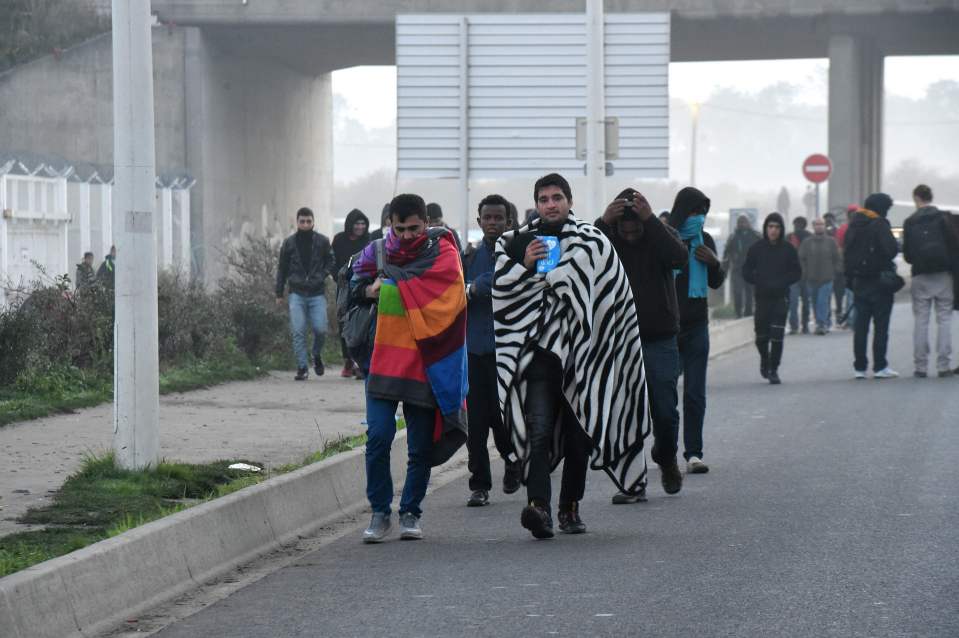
[
  {"x": 928, "y": 245},
  {"x": 870, "y": 248}
]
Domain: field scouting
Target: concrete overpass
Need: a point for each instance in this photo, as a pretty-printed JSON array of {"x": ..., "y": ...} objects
[{"x": 315, "y": 37}]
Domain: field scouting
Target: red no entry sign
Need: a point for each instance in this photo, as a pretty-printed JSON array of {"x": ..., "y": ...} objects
[{"x": 817, "y": 168}]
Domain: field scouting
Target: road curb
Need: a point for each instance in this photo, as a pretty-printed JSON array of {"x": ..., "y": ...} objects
[
  {"x": 93, "y": 589},
  {"x": 725, "y": 336}
]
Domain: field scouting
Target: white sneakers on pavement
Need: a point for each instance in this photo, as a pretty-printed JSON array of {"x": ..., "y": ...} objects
[
  {"x": 695, "y": 465},
  {"x": 860, "y": 374},
  {"x": 886, "y": 373}
]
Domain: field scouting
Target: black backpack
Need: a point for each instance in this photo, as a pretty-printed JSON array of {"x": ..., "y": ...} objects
[
  {"x": 357, "y": 319},
  {"x": 927, "y": 243},
  {"x": 860, "y": 255}
]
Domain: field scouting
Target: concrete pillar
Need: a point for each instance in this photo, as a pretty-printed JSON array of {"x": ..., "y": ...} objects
[
  {"x": 166, "y": 220},
  {"x": 106, "y": 217},
  {"x": 5, "y": 203},
  {"x": 183, "y": 201},
  {"x": 855, "y": 119},
  {"x": 85, "y": 245}
]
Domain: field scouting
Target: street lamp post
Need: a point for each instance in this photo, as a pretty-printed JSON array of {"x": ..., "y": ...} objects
[{"x": 694, "y": 109}]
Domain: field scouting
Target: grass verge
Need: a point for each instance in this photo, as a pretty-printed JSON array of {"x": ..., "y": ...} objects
[
  {"x": 102, "y": 500},
  {"x": 63, "y": 391}
]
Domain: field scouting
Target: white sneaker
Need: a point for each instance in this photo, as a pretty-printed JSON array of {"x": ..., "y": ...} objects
[
  {"x": 695, "y": 465},
  {"x": 860, "y": 374},
  {"x": 886, "y": 373}
]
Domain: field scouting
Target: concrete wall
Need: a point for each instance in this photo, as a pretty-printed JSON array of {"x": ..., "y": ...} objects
[
  {"x": 259, "y": 144},
  {"x": 65, "y": 106}
]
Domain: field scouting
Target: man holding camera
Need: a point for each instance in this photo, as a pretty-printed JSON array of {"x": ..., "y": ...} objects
[{"x": 650, "y": 251}]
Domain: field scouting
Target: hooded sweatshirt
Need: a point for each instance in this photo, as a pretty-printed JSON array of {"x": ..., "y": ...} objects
[
  {"x": 344, "y": 246},
  {"x": 649, "y": 265},
  {"x": 693, "y": 311},
  {"x": 869, "y": 245},
  {"x": 772, "y": 267}
]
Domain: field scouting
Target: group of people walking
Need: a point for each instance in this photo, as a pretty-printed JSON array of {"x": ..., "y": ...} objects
[
  {"x": 566, "y": 339},
  {"x": 855, "y": 260}
]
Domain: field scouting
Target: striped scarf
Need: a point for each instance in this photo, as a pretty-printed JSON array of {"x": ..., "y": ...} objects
[
  {"x": 583, "y": 312},
  {"x": 419, "y": 351}
]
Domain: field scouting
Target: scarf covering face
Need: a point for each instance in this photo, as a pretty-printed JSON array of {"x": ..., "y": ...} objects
[
  {"x": 419, "y": 351},
  {"x": 582, "y": 312},
  {"x": 692, "y": 231}
]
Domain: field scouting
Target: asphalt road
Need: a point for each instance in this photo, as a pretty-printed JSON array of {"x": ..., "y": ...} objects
[{"x": 831, "y": 510}]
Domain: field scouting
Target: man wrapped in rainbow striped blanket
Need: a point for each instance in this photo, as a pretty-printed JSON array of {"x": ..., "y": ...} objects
[{"x": 418, "y": 357}]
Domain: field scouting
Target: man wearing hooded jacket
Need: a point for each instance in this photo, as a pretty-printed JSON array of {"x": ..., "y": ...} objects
[
  {"x": 870, "y": 248},
  {"x": 353, "y": 239},
  {"x": 649, "y": 251},
  {"x": 772, "y": 266},
  {"x": 703, "y": 270}
]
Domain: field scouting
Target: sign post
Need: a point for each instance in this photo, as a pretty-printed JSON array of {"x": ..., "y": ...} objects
[{"x": 817, "y": 169}]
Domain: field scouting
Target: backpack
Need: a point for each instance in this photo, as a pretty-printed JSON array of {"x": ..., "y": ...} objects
[
  {"x": 860, "y": 253},
  {"x": 357, "y": 319},
  {"x": 927, "y": 243}
]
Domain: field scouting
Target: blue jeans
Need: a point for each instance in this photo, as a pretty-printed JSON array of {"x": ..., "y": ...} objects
[
  {"x": 821, "y": 295},
  {"x": 307, "y": 311},
  {"x": 661, "y": 360},
  {"x": 694, "y": 356},
  {"x": 381, "y": 429},
  {"x": 798, "y": 292}
]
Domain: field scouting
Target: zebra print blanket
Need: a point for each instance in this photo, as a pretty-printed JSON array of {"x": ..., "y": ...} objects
[{"x": 583, "y": 312}]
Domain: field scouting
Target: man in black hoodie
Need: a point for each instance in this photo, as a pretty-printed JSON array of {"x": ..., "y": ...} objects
[
  {"x": 353, "y": 239},
  {"x": 772, "y": 266},
  {"x": 702, "y": 269},
  {"x": 870, "y": 248},
  {"x": 650, "y": 251},
  {"x": 306, "y": 260}
]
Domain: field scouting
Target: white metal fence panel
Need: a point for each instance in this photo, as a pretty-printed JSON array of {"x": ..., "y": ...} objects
[{"x": 522, "y": 78}]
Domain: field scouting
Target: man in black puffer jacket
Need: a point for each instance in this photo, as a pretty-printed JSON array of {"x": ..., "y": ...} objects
[
  {"x": 306, "y": 260},
  {"x": 772, "y": 266}
]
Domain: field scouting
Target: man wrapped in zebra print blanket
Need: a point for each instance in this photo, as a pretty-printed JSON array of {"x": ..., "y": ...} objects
[{"x": 569, "y": 360}]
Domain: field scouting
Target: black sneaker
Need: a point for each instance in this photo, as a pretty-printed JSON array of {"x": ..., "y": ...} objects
[
  {"x": 774, "y": 377},
  {"x": 537, "y": 520},
  {"x": 512, "y": 477},
  {"x": 319, "y": 368},
  {"x": 628, "y": 498},
  {"x": 478, "y": 498},
  {"x": 301, "y": 374},
  {"x": 763, "y": 372},
  {"x": 569, "y": 520},
  {"x": 671, "y": 477}
]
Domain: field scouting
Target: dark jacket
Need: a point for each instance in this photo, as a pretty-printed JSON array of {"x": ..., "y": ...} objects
[
  {"x": 869, "y": 246},
  {"x": 820, "y": 259},
  {"x": 929, "y": 219},
  {"x": 478, "y": 265},
  {"x": 106, "y": 273},
  {"x": 291, "y": 270},
  {"x": 649, "y": 265},
  {"x": 737, "y": 246},
  {"x": 693, "y": 312},
  {"x": 772, "y": 267},
  {"x": 343, "y": 246},
  {"x": 85, "y": 276}
]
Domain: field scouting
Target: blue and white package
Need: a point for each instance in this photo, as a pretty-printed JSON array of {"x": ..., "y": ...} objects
[{"x": 551, "y": 260}]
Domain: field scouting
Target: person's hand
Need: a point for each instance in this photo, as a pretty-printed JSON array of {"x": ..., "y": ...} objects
[
  {"x": 642, "y": 207},
  {"x": 373, "y": 290},
  {"x": 534, "y": 252},
  {"x": 614, "y": 211},
  {"x": 707, "y": 256},
  {"x": 279, "y": 301}
]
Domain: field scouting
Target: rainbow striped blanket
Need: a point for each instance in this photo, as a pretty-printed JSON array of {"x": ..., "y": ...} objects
[{"x": 419, "y": 352}]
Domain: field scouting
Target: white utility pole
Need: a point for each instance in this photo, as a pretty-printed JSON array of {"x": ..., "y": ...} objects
[
  {"x": 595, "y": 202},
  {"x": 464, "y": 167},
  {"x": 136, "y": 402}
]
